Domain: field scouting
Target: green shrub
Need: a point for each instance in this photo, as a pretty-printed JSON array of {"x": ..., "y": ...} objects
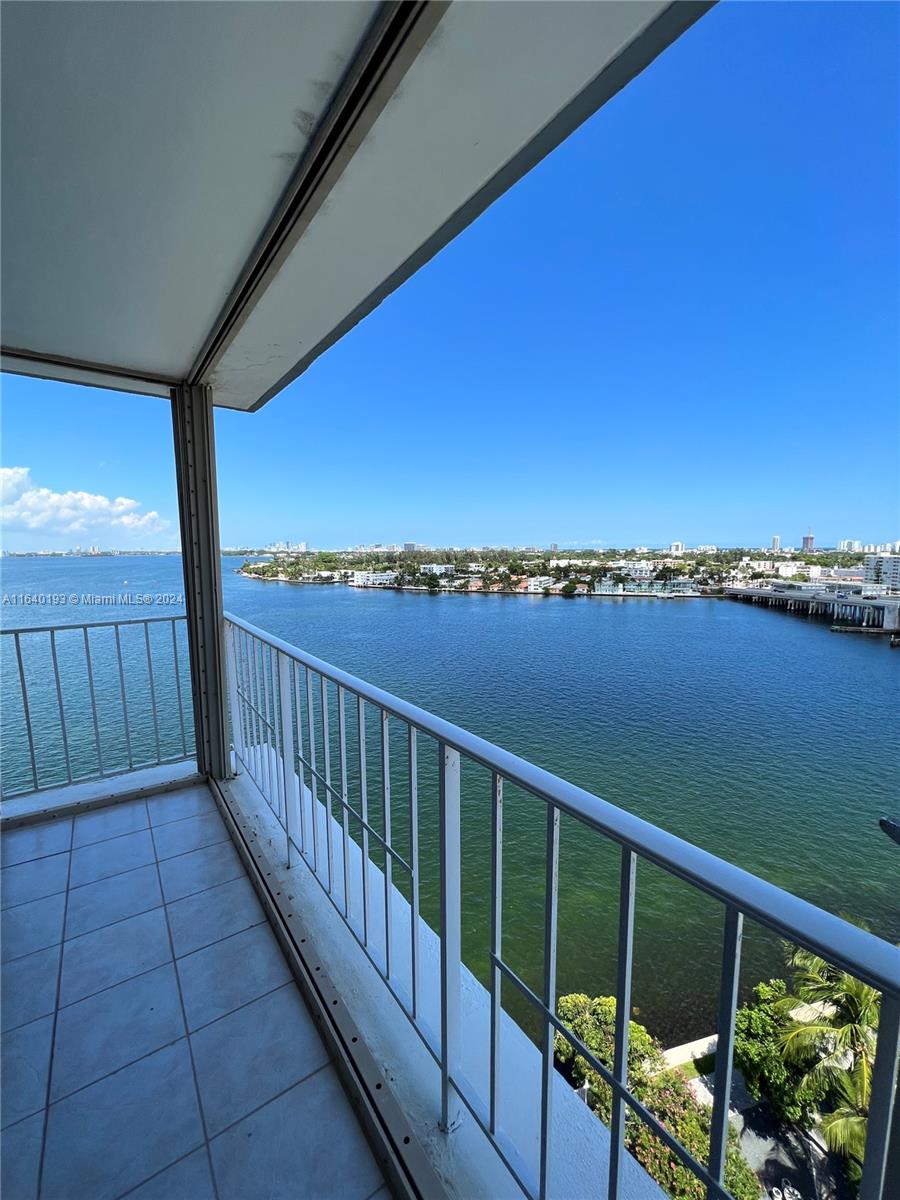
[
  {"x": 665, "y": 1093},
  {"x": 594, "y": 1022},
  {"x": 671, "y": 1101},
  {"x": 758, "y": 1052}
]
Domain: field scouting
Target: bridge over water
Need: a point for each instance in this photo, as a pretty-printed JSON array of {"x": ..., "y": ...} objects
[{"x": 881, "y": 612}]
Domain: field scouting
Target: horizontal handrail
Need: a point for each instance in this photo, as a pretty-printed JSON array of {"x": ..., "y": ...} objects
[
  {"x": 863, "y": 954},
  {"x": 63, "y": 625}
]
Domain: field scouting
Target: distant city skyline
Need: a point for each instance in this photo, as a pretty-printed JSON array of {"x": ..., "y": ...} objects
[
  {"x": 633, "y": 346},
  {"x": 674, "y": 547}
]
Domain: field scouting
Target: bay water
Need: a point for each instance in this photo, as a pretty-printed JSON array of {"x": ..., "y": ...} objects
[{"x": 758, "y": 735}]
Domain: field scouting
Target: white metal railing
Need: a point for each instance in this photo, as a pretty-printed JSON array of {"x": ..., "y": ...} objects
[
  {"x": 290, "y": 723},
  {"x": 83, "y": 702}
]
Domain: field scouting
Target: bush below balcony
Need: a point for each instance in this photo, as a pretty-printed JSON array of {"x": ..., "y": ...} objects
[{"x": 665, "y": 1093}]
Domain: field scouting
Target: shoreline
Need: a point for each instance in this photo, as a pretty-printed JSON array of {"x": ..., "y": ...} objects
[{"x": 380, "y": 587}]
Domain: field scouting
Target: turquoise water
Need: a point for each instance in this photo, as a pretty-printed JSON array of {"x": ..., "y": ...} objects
[{"x": 760, "y": 736}]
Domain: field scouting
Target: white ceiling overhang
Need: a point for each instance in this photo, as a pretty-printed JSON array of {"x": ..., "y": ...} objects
[{"x": 216, "y": 192}]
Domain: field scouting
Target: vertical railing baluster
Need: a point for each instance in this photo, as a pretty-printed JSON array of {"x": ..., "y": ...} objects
[
  {"x": 125, "y": 717},
  {"x": 623, "y": 1014},
  {"x": 364, "y": 813},
  {"x": 496, "y": 941},
  {"x": 59, "y": 701},
  {"x": 551, "y": 906},
  {"x": 247, "y": 709},
  {"x": 265, "y": 767},
  {"x": 449, "y": 831},
  {"x": 326, "y": 766},
  {"x": 277, "y": 741},
  {"x": 345, "y": 798},
  {"x": 265, "y": 666},
  {"x": 26, "y": 710},
  {"x": 414, "y": 864},
  {"x": 234, "y": 704},
  {"x": 178, "y": 687},
  {"x": 301, "y": 770},
  {"x": 152, "y": 690},
  {"x": 287, "y": 745},
  {"x": 881, "y": 1162},
  {"x": 90, "y": 675},
  {"x": 728, "y": 997},
  {"x": 313, "y": 765},
  {"x": 253, "y": 715},
  {"x": 388, "y": 862}
]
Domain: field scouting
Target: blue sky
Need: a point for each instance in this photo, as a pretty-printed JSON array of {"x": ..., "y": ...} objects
[{"x": 683, "y": 324}]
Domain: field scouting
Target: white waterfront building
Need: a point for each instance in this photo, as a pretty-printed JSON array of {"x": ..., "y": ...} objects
[
  {"x": 538, "y": 582},
  {"x": 437, "y": 568},
  {"x": 373, "y": 578}
]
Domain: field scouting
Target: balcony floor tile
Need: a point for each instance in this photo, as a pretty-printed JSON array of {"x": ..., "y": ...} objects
[
  {"x": 209, "y": 916},
  {"x": 32, "y": 880},
  {"x": 29, "y": 987},
  {"x": 35, "y": 841},
  {"x": 112, "y": 899},
  {"x": 191, "y": 833},
  {"x": 175, "y": 806},
  {"x": 252, "y": 1055},
  {"x": 250, "y": 1162},
  {"x": 188, "y": 1179},
  {"x": 190, "y": 873},
  {"x": 111, "y": 857},
  {"x": 221, "y": 978},
  {"x": 111, "y": 955},
  {"x": 25, "y": 1064},
  {"x": 111, "y": 1136},
  {"x": 113, "y": 821},
  {"x": 32, "y": 926},
  {"x": 115, "y": 1027},
  {"x": 20, "y": 1158}
]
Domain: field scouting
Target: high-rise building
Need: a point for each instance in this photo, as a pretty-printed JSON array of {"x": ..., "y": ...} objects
[
  {"x": 809, "y": 542},
  {"x": 883, "y": 569},
  {"x": 676, "y": 548},
  {"x": 409, "y": 547},
  {"x": 553, "y": 547},
  {"x": 776, "y": 543}
]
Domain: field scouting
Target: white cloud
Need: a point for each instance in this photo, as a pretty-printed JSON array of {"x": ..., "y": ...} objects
[{"x": 26, "y": 507}]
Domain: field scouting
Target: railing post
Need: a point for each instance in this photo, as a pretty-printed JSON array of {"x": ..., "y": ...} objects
[
  {"x": 551, "y": 909},
  {"x": 881, "y": 1158},
  {"x": 623, "y": 1015},
  {"x": 728, "y": 996},
  {"x": 288, "y": 775},
  {"x": 451, "y": 935},
  {"x": 237, "y": 732},
  {"x": 496, "y": 943}
]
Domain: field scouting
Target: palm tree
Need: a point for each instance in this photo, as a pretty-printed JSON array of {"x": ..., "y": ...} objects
[
  {"x": 831, "y": 1033},
  {"x": 844, "y": 1129},
  {"x": 837, "y": 1023}
]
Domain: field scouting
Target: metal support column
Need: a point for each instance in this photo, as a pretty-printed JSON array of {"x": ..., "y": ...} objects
[{"x": 195, "y": 465}]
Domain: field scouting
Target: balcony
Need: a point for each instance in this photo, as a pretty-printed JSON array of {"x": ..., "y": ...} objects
[
  {"x": 338, "y": 153},
  {"x": 230, "y": 979}
]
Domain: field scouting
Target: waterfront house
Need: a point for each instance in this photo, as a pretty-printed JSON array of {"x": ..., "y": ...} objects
[
  {"x": 537, "y": 583},
  {"x": 219, "y": 978}
]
